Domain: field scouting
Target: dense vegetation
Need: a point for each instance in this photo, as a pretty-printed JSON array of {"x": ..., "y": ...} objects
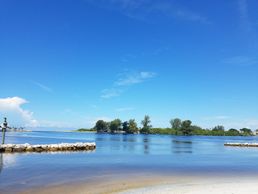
[
  {"x": 178, "y": 127},
  {"x": 86, "y": 130}
]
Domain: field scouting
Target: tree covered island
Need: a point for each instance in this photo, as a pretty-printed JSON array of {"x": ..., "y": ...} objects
[{"x": 177, "y": 127}]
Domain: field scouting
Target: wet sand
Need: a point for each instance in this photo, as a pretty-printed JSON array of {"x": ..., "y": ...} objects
[{"x": 161, "y": 184}]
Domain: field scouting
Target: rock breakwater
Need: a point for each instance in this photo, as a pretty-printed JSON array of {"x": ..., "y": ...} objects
[
  {"x": 242, "y": 144},
  {"x": 11, "y": 148}
]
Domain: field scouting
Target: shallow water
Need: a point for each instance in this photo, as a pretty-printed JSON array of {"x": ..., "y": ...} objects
[{"x": 121, "y": 154}]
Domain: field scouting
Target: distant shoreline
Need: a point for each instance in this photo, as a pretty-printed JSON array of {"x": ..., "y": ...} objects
[{"x": 154, "y": 131}]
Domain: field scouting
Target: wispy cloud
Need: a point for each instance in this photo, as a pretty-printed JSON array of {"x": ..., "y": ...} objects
[
  {"x": 149, "y": 10},
  {"x": 125, "y": 109},
  {"x": 125, "y": 80},
  {"x": 135, "y": 78},
  {"x": 42, "y": 86},
  {"x": 110, "y": 93},
  {"x": 241, "y": 60},
  {"x": 216, "y": 118}
]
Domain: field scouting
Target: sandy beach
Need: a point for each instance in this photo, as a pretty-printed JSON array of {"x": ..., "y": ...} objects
[
  {"x": 225, "y": 186},
  {"x": 141, "y": 184}
]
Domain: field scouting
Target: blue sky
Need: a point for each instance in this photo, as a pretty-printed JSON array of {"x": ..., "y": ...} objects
[{"x": 69, "y": 63}]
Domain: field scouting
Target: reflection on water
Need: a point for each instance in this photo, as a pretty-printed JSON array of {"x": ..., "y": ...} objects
[
  {"x": 119, "y": 153},
  {"x": 115, "y": 138},
  {"x": 181, "y": 142},
  {"x": 146, "y": 144},
  {"x": 181, "y": 146},
  {"x": 7, "y": 160},
  {"x": 128, "y": 138},
  {"x": 129, "y": 143},
  {"x": 1, "y": 162}
]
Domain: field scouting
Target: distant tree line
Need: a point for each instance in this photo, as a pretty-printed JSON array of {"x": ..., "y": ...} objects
[
  {"x": 117, "y": 126},
  {"x": 186, "y": 128},
  {"x": 177, "y": 127}
]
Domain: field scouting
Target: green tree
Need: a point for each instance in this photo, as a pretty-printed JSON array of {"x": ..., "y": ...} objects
[
  {"x": 232, "y": 132},
  {"x": 101, "y": 126},
  {"x": 186, "y": 127},
  {"x": 218, "y": 130},
  {"x": 115, "y": 125},
  {"x": 176, "y": 123},
  {"x": 132, "y": 127},
  {"x": 246, "y": 132},
  {"x": 125, "y": 126},
  {"x": 196, "y": 130},
  {"x": 146, "y": 125}
]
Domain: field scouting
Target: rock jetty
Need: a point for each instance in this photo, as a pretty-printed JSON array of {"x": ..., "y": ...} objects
[
  {"x": 12, "y": 148},
  {"x": 242, "y": 144}
]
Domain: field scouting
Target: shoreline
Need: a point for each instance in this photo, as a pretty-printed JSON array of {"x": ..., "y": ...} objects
[
  {"x": 224, "y": 186},
  {"x": 151, "y": 184}
]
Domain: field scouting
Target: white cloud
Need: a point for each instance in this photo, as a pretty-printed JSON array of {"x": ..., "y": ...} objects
[
  {"x": 135, "y": 78},
  {"x": 109, "y": 93},
  {"x": 126, "y": 79},
  {"x": 11, "y": 108},
  {"x": 17, "y": 116},
  {"x": 124, "y": 109}
]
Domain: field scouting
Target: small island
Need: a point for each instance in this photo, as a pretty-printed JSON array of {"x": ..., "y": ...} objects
[{"x": 177, "y": 127}]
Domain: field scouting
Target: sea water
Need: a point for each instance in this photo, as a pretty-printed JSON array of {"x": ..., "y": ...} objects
[{"x": 121, "y": 154}]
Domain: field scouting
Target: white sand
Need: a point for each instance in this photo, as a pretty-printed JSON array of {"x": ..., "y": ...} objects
[
  {"x": 151, "y": 184},
  {"x": 225, "y": 186}
]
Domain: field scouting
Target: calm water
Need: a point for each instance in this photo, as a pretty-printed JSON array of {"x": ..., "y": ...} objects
[{"x": 121, "y": 154}]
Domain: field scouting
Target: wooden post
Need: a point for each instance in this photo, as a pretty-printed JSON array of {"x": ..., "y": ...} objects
[
  {"x": 4, "y": 127},
  {"x": 3, "y": 135},
  {"x": 1, "y": 162}
]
